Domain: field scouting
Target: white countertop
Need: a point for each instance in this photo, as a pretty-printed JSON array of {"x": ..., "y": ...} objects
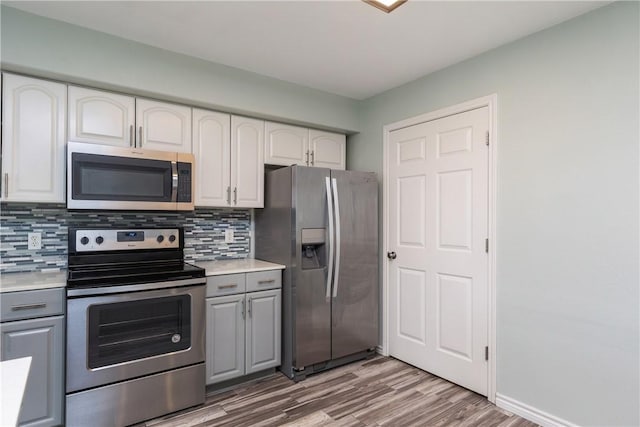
[
  {"x": 232, "y": 266},
  {"x": 13, "y": 381},
  {"x": 12, "y": 282}
]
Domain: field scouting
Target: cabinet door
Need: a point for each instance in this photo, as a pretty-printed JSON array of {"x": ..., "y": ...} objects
[
  {"x": 328, "y": 150},
  {"x": 263, "y": 330},
  {"x": 43, "y": 340},
  {"x": 101, "y": 117},
  {"x": 163, "y": 126},
  {"x": 212, "y": 150},
  {"x": 286, "y": 145},
  {"x": 247, "y": 162},
  {"x": 225, "y": 338},
  {"x": 33, "y": 140}
]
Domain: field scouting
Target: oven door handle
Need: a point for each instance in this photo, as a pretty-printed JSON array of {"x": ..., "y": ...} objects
[{"x": 118, "y": 289}]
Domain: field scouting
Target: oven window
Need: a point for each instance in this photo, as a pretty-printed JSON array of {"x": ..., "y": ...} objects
[
  {"x": 125, "y": 331},
  {"x": 99, "y": 177}
]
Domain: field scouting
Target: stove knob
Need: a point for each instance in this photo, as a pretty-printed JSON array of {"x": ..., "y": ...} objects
[
  {"x": 84, "y": 240},
  {"x": 99, "y": 240},
  {"x": 172, "y": 238},
  {"x": 160, "y": 239}
]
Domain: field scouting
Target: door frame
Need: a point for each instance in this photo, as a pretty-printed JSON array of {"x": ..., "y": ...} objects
[{"x": 490, "y": 101}]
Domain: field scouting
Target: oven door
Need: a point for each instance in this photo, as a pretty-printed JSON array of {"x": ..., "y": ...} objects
[
  {"x": 103, "y": 177},
  {"x": 116, "y": 337}
]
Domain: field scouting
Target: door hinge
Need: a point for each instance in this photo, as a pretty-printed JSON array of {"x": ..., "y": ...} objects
[
  {"x": 486, "y": 245},
  {"x": 487, "y": 139},
  {"x": 486, "y": 353}
]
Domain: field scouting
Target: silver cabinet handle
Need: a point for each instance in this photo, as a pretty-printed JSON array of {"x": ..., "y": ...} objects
[
  {"x": 140, "y": 135},
  {"x": 330, "y": 212},
  {"x": 264, "y": 282},
  {"x": 131, "y": 136},
  {"x": 312, "y": 155},
  {"x": 228, "y": 195},
  {"x": 28, "y": 306},
  {"x": 307, "y": 158},
  {"x": 235, "y": 195},
  {"x": 250, "y": 306},
  {"x": 243, "y": 315},
  {"x": 229, "y": 286},
  {"x": 337, "y": 208},
  {"x": 6, "y": 185}
]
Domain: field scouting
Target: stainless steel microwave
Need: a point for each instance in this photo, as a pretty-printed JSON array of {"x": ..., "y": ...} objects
[{"x": 106, "y": 177}]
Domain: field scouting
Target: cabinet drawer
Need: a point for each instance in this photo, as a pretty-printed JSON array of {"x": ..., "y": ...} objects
[
  {"x": 225, "y": 285},
  {"x": 262, "y": 280},
  {"x": 30, "y": 304}
]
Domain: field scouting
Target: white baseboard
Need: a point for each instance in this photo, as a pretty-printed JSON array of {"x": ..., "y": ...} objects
[{"x": 530, "y": 413}]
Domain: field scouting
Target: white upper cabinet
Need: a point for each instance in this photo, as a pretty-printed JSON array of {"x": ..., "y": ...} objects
[
  {"x": 247, "y": 162},
  {"x": 101, "y": 117},
  {"x": 107, "y": 118},
  {"x": 229, "y": 160},
  {"x": 212, "y": 151},
  {"x": 163, "y": 126},
  {"x": 33, "y": 139},
  {"x": 286, "y": 145},
  {"x": 328, "y": 150}
]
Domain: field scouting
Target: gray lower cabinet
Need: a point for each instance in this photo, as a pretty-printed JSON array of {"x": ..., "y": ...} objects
[
  {"x": 225, "y": 338},
  {"x": 42, "y": 339},
  {"x": 262, "y": 348},
  {"x": 243, "y": 329}
]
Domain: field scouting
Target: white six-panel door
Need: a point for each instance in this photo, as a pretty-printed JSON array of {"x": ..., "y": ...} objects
[{"x": 438, "y": 207}]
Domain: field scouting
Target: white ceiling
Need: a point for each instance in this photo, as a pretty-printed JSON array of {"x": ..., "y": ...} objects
[{"x": 344, "y": 47}]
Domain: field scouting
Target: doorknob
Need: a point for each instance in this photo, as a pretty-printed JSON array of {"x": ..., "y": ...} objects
[{"x": 391, "y": 255}]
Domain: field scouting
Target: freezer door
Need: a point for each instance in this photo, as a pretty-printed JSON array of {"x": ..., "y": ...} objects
[
  {"x": 312, "y": 309},
  {"x": 355, "y": 288}
]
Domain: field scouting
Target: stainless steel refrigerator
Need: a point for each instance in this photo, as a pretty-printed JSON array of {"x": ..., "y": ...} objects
[{"x": 323, "y": 225}]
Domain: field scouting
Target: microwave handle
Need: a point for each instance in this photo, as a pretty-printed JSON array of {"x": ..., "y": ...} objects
[{"x": 174, "y": 181}]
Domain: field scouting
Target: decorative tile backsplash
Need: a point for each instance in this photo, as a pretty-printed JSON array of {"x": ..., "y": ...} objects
[{"x": 203, "y": 232}]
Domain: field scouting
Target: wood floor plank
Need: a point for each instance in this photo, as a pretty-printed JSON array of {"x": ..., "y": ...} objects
[
  {"x": 317, "y": 418},
  {"x": 359, "y": 398},
  {"x": 381, "y": 391}
]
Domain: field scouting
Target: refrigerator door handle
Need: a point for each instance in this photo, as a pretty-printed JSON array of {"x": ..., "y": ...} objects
[
  {"x": 330, "y": 212},
  {"x": 336, "y": 206}
]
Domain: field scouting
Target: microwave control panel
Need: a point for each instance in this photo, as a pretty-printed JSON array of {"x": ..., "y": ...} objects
[{"x": 184, "y": 182}]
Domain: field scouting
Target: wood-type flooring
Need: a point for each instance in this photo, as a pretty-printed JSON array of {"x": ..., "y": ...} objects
[{"x": 377, "y": 392}]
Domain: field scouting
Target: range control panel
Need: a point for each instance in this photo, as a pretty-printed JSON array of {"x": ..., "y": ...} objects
[{"x": 126, "y": 239}]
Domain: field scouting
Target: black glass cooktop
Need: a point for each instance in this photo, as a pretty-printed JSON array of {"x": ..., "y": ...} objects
[{"x": 98, "y": 275}]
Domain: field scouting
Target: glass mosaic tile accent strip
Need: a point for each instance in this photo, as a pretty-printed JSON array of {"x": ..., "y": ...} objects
[{"x": 203, "y": 228}]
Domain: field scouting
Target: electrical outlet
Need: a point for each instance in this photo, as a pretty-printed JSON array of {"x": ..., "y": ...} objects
[
  {"x": 34, "y": 241},
  {"x": 228, "y": 235}
]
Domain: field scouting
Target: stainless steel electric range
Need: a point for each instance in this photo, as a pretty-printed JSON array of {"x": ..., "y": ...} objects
[{"x": 135, "y": 326}]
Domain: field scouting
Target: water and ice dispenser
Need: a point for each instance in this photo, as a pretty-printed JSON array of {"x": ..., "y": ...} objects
[{"x": 313, "y": 248}]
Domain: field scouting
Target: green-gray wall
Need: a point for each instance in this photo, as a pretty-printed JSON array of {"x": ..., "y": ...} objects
[
  {"x": 568, "y": 182},
  {"x": 49, "y": 48},
  {"x": 567, "y": 216}
]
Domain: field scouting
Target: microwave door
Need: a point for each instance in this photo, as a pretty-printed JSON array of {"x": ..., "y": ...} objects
[{"x": 104, "y": 180}]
